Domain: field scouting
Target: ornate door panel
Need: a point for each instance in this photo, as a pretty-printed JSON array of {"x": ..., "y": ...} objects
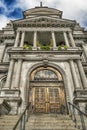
[
  {"x": 40, "y": 95},
  {"x": 54, "y": 100},
  {"x": 47, "y": 100}
]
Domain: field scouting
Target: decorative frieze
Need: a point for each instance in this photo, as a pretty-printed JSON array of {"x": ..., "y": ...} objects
[{"x": 44, "y": 29}]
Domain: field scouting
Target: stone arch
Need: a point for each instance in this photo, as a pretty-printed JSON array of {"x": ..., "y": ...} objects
[
  {"x": 52, "y": 70},
  {"x": 58, "y": 68},
  {"x": 2, "y": 81}
]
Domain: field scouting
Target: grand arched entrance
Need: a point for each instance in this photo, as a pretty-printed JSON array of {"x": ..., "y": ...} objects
[{"x": 47, "y": 91}]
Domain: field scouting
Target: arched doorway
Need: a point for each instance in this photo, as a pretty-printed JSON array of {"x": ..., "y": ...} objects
[{"x": 47, "y": 91}]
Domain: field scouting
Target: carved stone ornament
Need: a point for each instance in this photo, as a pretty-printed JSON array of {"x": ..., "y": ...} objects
[{"x": 45, "y": 63}]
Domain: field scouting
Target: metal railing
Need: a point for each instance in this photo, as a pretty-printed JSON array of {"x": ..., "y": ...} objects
[
  {"x": 23, "y": 119},
  {"x": 74, "y": 112}
]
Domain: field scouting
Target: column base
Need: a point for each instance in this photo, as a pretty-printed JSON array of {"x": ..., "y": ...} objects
[
  {"x": 34, "y": 48},
  {"x": 55, "y": 48}
]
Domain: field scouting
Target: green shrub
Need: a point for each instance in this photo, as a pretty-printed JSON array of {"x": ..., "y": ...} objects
[
  {"x": 59, "y": 47},
  {"x": 30, "y": 48},
  {"x": 45, "y": 47},
  {"x": 27, "y": 47},
  {"x": 38, "y": 44},
  {"x": 65, "y": 47}
]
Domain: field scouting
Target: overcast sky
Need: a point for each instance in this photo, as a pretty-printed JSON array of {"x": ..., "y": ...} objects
[{"x": 72, "y": 9}]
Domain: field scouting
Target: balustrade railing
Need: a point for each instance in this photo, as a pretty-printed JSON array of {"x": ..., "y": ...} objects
[
  {"x": 77, "y": 116},
  {"x": 23, "y": 119}
]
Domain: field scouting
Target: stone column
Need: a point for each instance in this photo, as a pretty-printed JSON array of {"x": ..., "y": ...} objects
[
  {"x": 9, "y": 76},
  {"x": 22, "y": 39},
  {"x": 74, "y": 75},
  {"x": 72, "y": 40},
  {"x": 35, "y": 41},
  {"x": 17, "y": 39},
  {"x": 54, "y": 41},
  {"x": 18, "y": 73},
  {"x": 82, "y": 73},
  {"x": 66, "y": 39}
]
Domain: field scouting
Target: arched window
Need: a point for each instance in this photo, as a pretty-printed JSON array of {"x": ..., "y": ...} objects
[{"x": 45, "y": 74}]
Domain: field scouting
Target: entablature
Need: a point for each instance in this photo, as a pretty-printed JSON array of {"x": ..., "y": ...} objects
[
  {"x": 7, "y": 36},
  {"x": 44, "y": 29},
  {"x": 44, "y": 21},
  {"x": 41, "y": 55}
]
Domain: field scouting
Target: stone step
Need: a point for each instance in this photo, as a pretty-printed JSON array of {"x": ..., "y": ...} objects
[
  {"x": 51, "y": 128},
  {"x": 49, "y": 115},
  {"x": 7, "y": 122},
  {"x": 50, "y": 122},
  {"x": 35, "y": 117},
  {"x": 51, "y": 125}
]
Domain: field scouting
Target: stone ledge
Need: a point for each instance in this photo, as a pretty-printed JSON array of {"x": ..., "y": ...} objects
[{"x": 9, "y": 93}]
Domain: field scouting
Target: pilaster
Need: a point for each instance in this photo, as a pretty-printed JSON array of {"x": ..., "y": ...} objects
[
  {"x": 9, "y": 76},
  {"x": 82, "y": 74},
  {"x": 74, "y": 75},
  {"x": 18, "y": 74}
]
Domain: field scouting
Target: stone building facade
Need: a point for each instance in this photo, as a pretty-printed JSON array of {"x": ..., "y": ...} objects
[{"x": 43, "y": 60}]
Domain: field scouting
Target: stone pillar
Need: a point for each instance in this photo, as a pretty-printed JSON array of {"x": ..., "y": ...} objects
[
  {"x": 17, "y": 39},
  {"x": 22, "y": 39},
  {"x": 66, "y": 39},
  {"x": 54, "y": 41},
  {"x": 72, "y": 40},
  {"x": 35, "y": 41},
  {"x": 82, "y": 74},
  {"x": 18, "y": 73},
  {"x": 74, "y": 75},
  {"x": 9, "y": 76}
]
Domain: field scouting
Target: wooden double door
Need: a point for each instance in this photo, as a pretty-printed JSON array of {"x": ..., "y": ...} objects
[{"x": 47, "y": 100}]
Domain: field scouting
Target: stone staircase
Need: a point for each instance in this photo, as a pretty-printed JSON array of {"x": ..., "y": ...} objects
[
  {"x": 50, "y": 122},
  {"x": 41, "y": 122},
  {"x": 8, "y": 121}
]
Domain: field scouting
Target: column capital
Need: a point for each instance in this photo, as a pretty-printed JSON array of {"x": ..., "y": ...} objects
[
  {"x": 18, "y": 31},
  {"x": 23, "y": 31}
]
